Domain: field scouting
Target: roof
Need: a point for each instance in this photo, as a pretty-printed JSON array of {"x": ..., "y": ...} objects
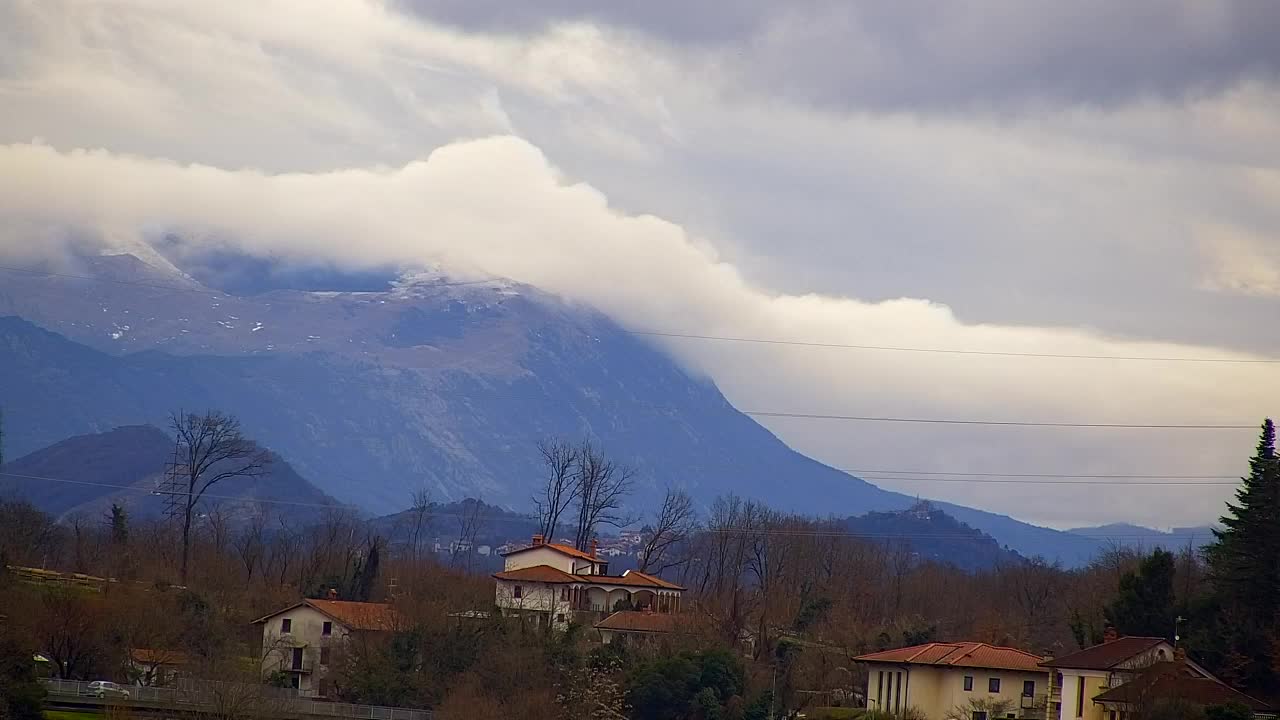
[
  {"x": 564, "y": 549},
  {"x": 1169, "y": 680},
  {"x": 354, "y": 615},
  {"x": 537, "y": 573},
  {"x": 1107, "y": 655},
  {"x": 158, "y": 657},
  {"x": 548, "y": 574},
  {"x": 654, "y": 579},
  {"x": 961, "y": 654},
  {"x": 638, "y": 621}
]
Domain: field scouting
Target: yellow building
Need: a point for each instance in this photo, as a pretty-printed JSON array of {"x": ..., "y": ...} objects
[
  {"x": 958, "y": 681},
  {"x": 1082, "y": 676}
]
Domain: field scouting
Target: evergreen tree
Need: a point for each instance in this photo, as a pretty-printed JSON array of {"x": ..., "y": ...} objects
[
  {"x": 1240, "y": 619},
  {"x": 365, "y": 582},
  {"x": 119, "y": 525},
  {"x": 1244, "y": 560},
  {"x": 1144, "y": 604}
]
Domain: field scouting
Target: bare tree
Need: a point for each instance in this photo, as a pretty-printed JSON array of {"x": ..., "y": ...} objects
[
  {"x": 470, "y": 521},
  {"x": 419, "y": 521},
  {"x": 676, "y": 521},
  {"x": 250, "y": 544},
  {"x": 601, "y": 486},
  {"x": 210, "y": 449},
  {"x": 560, "y": 487}
]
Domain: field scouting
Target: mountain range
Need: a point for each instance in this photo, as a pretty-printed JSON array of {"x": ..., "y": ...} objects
[{"x": 428, "y": 384}]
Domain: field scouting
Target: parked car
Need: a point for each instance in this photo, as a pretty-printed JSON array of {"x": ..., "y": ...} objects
[{"x": 107, "y": 689}]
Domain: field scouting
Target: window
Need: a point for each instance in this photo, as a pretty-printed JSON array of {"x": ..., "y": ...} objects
[
  {"x": 979, "y": 715},
  {"x": 564, "y": 594},
  {"x": 326, "y": 629},
  {"x": 880, "y": 688},
  {"x": 297, "y": 658},
  {"x": 897, "y": 693},
  {"x": 993, "y": 685},
  {"x": 1028, "y": 688},
  {"x": 286, "y": 626},
  {"x": 1010, "y": 716},
  {"x": 1112, "y": 715},
  {"x": 1080, "y": 696},
  {"x": 968, "y": 683},
  {"x": 560, "y": 617},
  {"x": 324, "y": 655},
  {"x": 519, "y": 592},
  {"x": 294, "y": 681}
]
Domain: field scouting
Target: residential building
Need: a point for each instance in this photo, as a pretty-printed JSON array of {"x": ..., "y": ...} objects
[
  {"x": 1107, "y": 681},
  {"x": 1081, "y": 676},
  {"x": 556, "y": 584},
  {"x": 301, "y": 640},
  {"x": 155, "y": 667},
  {"x": 1173, "y": 680},
  {"x": 941, "y": 680},
  {"x": 637, "y": 626}
]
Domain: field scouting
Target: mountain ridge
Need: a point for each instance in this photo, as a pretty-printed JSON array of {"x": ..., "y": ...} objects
[{"x": 428, "y": 384}]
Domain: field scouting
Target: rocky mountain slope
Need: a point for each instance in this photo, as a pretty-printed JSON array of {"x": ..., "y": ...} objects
[{"x": 425, "y": 385}]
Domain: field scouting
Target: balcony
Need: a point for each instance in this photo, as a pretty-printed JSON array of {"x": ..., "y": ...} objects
[{"x": 1033, "y": 702}]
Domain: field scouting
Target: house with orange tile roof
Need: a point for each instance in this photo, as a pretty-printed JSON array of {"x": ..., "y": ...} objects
[
  {"x": 940, "y": 678},
  {"x": 555, "y": 584},
  {"x": 301, "y": 640},
  {"x": 1111, "y": 680}
]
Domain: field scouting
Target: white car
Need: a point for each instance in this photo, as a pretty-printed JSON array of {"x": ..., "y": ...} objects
[{"x": 106, "y": 689}]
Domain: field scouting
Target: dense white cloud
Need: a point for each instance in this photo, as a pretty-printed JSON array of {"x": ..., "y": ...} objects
[{"x": 1139, "y": 228}]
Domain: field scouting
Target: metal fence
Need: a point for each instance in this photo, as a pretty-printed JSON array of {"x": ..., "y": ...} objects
[{"x": 203, "y": 694}]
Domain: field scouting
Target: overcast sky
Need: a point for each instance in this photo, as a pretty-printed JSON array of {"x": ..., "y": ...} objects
[{"x": 1087, "y": 178}]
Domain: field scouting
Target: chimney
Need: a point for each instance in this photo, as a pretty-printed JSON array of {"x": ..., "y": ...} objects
[
  {"x": 537, "y": 539},
  {"x": 1110, "y": 634},
  {"x": 595, "y": 546},
  {"x": 1180, "y": 655},
  {"x": 332, "y": 594}
]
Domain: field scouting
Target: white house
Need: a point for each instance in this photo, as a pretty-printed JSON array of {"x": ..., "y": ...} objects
[
  {"x": 300, "y": 640},
  {"x": 554, "y": 583}
]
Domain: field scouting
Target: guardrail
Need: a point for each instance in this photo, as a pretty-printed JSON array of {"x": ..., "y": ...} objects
[{"x": 211, "y": 694}]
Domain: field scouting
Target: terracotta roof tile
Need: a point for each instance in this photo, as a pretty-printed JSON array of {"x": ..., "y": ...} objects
[
  {"x": 637, "y": 621},
  {"x": 655, "y": 580},
  {"x": 538, "y": 573},
  {"x": 548, "y": 574},
  {"x": 358, "y": 615},
  {"x": 962, "y": 654},
  {"x": 1107, "y": 655},
  {"x": 564, "y": 549},
  {"x": 158, "y": 657},
  {"x": 1165, "y": 681}
]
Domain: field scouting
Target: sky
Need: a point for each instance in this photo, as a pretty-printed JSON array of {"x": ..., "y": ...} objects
[{"x": 1091, "y": 178}]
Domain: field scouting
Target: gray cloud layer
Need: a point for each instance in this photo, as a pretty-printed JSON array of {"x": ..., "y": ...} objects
[
  {"x": 916, "y": 54},
  {"x": 643, "y": 171}
]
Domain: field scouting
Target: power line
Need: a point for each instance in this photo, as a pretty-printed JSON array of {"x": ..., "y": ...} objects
[
  {"x": 951, "y": 351},
  {"x": 1045, "y": 481},
  {"x": 1048, "y": 475},
  {"x": 1007, "y": 423}
]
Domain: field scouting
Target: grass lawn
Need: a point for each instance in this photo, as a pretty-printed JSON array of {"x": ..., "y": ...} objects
[{"x": 70, "y": 715}]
